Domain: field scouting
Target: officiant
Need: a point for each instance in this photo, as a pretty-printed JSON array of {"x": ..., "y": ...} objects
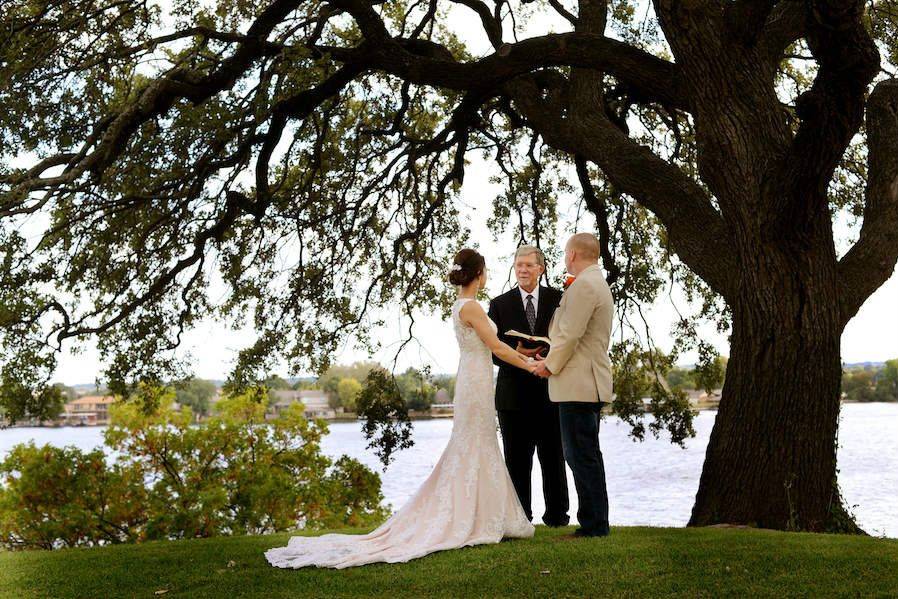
[{"x": 527, "y": 419}]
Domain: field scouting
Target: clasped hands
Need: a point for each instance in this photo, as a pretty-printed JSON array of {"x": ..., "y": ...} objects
[{"x": 538, "y": 365}]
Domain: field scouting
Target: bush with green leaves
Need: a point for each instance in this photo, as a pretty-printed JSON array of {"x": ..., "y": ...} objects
[
  {"x": 64, "y": 497},
  {"x": 166, "y": 478}
]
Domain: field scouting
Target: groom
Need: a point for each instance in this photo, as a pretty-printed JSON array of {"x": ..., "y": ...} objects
[
  {"x": 527, "y": 419},
  {"x": 579, "y": 373}
]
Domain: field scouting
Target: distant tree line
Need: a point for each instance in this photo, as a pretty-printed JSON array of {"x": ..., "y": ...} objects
[
  {"x": 417, "y": 388},
  {"x": 859, "y": 383},
  {"x": 708, "y": 376},
  {"x": 871, "y": 383},
  {"x": 342, "y": 384}
]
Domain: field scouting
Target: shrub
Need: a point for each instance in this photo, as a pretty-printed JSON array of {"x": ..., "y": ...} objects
[
  {"x": 63, "y": 497},
  {"x": 233, "y": 474}
]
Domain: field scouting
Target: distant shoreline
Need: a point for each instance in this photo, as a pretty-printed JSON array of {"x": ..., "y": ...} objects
[{"x": 710, "y": 407}]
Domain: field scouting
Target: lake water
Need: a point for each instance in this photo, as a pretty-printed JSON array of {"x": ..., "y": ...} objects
[{"x": 649, "y": 483}]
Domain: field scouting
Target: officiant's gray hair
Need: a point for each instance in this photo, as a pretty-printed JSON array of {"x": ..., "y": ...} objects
[{"x": 526, "y": 250}]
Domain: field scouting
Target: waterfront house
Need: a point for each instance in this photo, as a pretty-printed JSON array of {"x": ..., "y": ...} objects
[
  {"x": 314, "y": 400},
  {"x": 90, "y": 410},
  {"x": 442, "y": 410}
]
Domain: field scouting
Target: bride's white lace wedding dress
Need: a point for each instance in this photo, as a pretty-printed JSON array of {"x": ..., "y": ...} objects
[{"x": 468, "y": 499}]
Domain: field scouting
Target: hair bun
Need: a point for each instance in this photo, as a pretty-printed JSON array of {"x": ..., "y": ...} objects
[{"x": 467, "y": 266}]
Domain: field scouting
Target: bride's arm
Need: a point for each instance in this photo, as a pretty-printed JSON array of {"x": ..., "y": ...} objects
[{"x": 472, "y": 314}]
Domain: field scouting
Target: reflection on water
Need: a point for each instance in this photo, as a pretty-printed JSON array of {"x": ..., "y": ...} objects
[{"x": 650, "y": 483}]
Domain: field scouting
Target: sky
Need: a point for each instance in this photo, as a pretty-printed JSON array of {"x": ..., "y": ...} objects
[{"x": 871, "y": 336}]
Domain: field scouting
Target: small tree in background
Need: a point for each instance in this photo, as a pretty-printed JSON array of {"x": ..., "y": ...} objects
[
  {"x": 887, "y": 382},
  {"x": 18, "y": 402},
  {"x": 447, "y": 382},
  {"x": 857, "y": 385},
  {"x": 871, "y": 383},
  {"x": 347, "y": 392},
  {"x": 195, "y": 394},
  {"x": 276, "y": 382}
]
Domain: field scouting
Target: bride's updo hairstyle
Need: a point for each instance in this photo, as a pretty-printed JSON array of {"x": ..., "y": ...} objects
[{"x": 466, "y": 267}]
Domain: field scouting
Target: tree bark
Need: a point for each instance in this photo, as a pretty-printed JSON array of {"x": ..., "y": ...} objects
[{"x": 771, "y": 459}]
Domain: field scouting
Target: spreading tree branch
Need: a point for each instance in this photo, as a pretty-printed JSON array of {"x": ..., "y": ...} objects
[
  {"x": 697, "y": 232},
  {"x": 431, "y": 64},
  {"x": 599, "y": 208},
  {"x": 831, "y": 112},
  {"x": 159, "y": 96},
  {"x": 871, "y": 261}
]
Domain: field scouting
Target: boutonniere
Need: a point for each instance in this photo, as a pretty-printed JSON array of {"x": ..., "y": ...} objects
[{"x": 568, "y": 280}]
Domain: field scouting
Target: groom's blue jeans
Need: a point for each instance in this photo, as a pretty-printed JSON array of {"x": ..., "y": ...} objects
[{"x": 580, "y": 442}]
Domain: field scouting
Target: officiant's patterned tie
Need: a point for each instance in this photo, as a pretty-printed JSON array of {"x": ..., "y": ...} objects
[{"x": 531, "y": 314}]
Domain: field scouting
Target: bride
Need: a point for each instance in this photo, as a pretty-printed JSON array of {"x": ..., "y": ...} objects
[{"x": 468, "y": 499}]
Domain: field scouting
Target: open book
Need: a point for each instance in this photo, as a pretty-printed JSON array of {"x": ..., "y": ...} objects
[{"x": 543, "y": 340}]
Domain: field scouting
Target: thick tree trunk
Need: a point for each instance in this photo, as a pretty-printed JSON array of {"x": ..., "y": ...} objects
[{"x": 771, "y": 459}]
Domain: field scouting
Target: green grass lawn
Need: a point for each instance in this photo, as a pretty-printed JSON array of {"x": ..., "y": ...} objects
[{"x": 648, "y": 562}]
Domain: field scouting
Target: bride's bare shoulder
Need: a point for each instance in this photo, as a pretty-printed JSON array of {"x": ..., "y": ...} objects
[{"x": 471, "y": 310}]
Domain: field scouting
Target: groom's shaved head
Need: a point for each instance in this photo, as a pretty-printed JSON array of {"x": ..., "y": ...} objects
[{"x": 585, "y": 244}]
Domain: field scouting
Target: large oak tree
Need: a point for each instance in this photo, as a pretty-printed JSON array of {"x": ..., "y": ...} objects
[{"x": 309, "y": 154}]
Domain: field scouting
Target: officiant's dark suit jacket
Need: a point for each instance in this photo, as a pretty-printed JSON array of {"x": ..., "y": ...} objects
[
  {"x": 528, "y": 420},
  {"x": 516, "y": 388}
]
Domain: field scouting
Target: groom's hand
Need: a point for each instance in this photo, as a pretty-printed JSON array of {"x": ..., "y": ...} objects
[{"x": 542, "y": 371}]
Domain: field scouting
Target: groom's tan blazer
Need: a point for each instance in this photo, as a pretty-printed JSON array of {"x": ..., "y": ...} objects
[{"x": 580, "y": 332}]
